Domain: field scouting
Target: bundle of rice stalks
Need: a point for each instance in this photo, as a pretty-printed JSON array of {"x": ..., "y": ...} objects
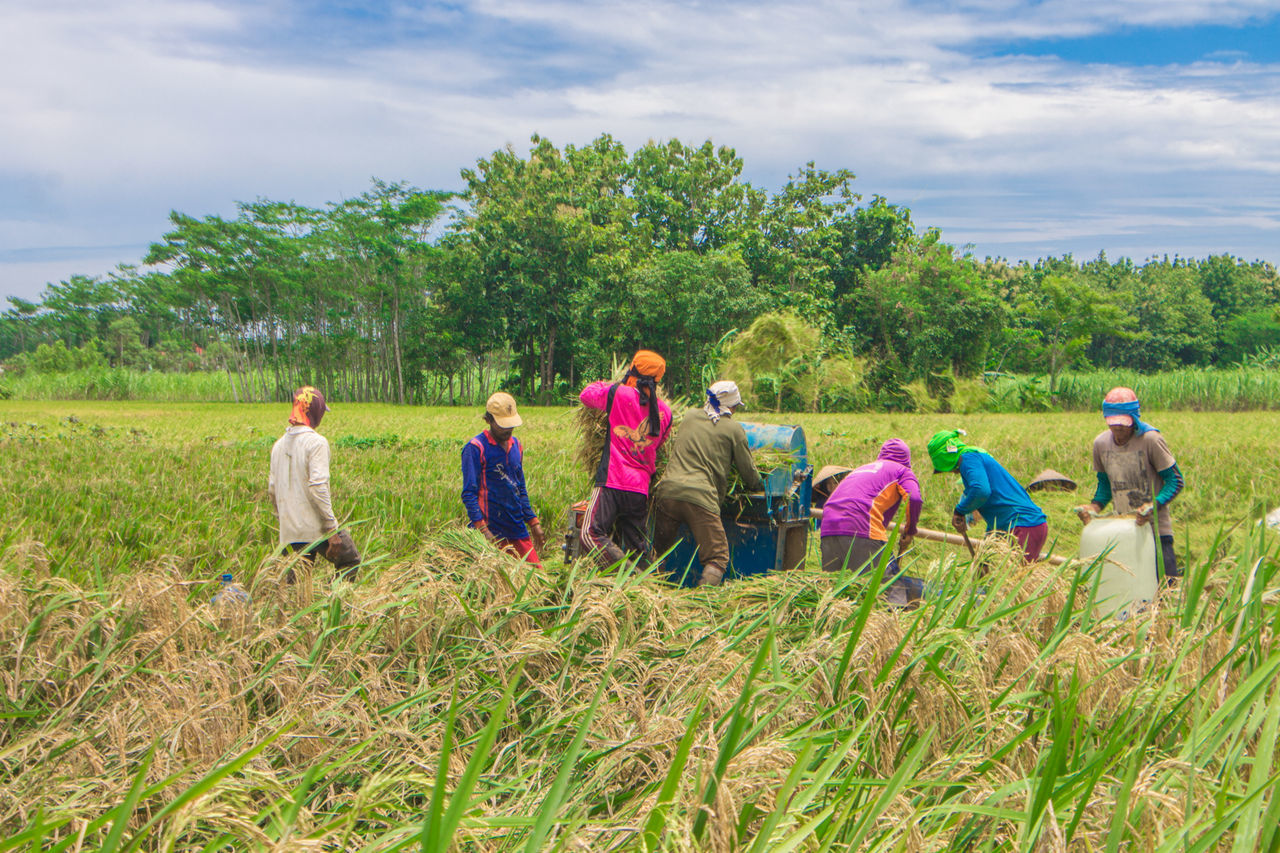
[{"x": 767, "y": 460}]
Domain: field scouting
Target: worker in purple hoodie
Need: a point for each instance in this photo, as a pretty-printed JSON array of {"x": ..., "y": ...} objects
[{"x": 855, "y": 519}]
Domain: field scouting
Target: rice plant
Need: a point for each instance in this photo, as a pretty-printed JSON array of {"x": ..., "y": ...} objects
[{"x": 453, "y": 698}]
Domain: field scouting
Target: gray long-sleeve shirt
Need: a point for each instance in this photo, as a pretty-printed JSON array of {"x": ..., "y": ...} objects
[{"x": 299, "y": 485}]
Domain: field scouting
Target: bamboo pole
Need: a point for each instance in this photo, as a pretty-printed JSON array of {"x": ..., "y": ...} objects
[{"x": 946, "y": 538}]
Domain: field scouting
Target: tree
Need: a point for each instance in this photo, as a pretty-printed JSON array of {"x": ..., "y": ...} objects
[
  {"x": 929, "y": 311},
  {"x": 678, "y": 303},
  {"x": 1063, "y": 315},
  {"x": 539, "y": 230},
  {"x": 691, "y": 199},
  {"x": 1234, "y": 287},
  {"x": 124, "y": 339},
  {"x": 1173, "y": 317},
  {"x": 792, "y": 251}
]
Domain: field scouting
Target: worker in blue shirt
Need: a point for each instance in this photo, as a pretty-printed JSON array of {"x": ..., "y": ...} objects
[
  {"x": 493, "y": 488},
  {"x": 990, "y": 491}
]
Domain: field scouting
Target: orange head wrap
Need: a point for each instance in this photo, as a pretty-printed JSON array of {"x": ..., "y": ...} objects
[
  {"x": 647, "y": 368},
  {"x": 308, "y": 407},
  {"x": 648, "y": 363}
]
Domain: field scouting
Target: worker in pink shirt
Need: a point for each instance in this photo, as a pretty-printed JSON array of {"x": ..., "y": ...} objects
[{"x": 616, "y": 521}]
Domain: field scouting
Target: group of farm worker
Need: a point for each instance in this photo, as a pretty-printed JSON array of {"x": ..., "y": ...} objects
[
  {"x": 1134, "y": 467},
  {"x": 615, "y": 524}
]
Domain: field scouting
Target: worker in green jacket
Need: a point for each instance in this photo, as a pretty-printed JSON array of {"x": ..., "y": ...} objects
[{"x": 706, "y": 447}]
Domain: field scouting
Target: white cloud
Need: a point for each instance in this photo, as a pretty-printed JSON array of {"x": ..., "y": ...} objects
[{"x": 111, "y": 113}]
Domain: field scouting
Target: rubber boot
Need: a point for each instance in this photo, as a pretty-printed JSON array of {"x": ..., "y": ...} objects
[{"x": 712, "y": 576}]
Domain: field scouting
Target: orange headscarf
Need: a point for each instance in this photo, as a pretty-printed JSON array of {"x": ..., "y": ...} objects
[
  {"x": 647, "y": 368},
  {"x": 308, "y": 407},
  {"x": 647, "y": 363}
]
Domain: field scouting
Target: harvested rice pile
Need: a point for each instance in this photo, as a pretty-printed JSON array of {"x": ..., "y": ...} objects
[{"x": 462, "y": 700}]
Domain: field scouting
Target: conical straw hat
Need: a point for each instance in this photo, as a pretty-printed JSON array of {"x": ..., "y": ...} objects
[
  {"x": 828, "y": 471},
  {"x": 1051, "y": 480}
]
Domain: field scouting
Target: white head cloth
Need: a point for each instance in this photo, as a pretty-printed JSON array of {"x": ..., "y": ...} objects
[{"x": 721, "y": 397}]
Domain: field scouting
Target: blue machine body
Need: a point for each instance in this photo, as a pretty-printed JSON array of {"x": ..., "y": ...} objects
[{"x": 771, "y": 533}]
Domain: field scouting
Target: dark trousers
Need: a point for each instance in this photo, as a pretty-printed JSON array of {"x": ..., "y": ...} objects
[
  {"x": 705, "y": 527},
  {"x": 615, "y": 526},
  {"x": 1171, "y": 569},
  {"x": 1032, "y": 539},
  {"x": 860, "y": 554}
]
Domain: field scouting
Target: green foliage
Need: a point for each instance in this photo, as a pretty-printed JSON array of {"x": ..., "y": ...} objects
[
  {"x": 124, "y": 342},
  {"x": 1174, "y": 318},
  {"x": 691, "y": 199},
  {"x": 1063, "y": 315},
  {"x": 930, "y": 311},
  {"x": 57, "y": 358},
  {"x": 1249, "y": 334},
  {"x": 779, "y": 363},
  {"x": 1020, "y": 394},
  {"x": 679, "y": 304},
  {"x": 560, "y": 259}
]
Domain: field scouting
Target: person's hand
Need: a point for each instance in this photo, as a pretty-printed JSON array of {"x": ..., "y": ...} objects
[
  {"x": 1086, "y": 512},
  {"x": 484, "y": 529},
  {"x": 958, "y": 522},
  {"x": 539, "y": 538},
  {"x": 904, "y": 542},
  {"x": 1144, "y": 513}
]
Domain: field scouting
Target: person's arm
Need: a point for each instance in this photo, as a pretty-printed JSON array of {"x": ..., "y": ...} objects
[
  {"x": 977, "y": 486},
  {"x": 595, "y": 395},
  {"x": 1102, "y": 493},
  {"x": 744, "y": 463},
  {"x": 1172, "y": 485},
  {"x": 318, "y": 484},
  {"x": 1101, "y": 497},
  {"x": 910, "y": 487},
  {"x": 472, "y": 471},
  {"x": 271, "y": 490}
]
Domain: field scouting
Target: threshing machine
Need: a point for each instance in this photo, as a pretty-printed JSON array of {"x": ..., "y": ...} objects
[{"x": 769, "y": 530}]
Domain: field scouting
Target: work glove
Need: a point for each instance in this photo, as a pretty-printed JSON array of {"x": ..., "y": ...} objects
[
  {"x": 539, "y": 538},
  {"x": 1144, "y": 513}
]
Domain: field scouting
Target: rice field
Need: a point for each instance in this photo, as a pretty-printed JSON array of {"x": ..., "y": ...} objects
[
  {"x": 452, "y": 698},
  {"x": 1229, "y": 389}
]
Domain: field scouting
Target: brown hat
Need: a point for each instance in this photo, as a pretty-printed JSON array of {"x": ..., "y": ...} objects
[
  {"x": 1051, "y": 480},
  {"x": 502, "y": 406}
]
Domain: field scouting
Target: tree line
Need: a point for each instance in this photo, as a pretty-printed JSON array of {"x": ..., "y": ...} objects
[{"x": 551, "y": 264}]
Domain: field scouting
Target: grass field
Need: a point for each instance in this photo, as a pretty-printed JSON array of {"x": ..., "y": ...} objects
[{"x": 452, "y": 695}]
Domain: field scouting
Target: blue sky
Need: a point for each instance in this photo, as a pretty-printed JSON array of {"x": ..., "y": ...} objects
[{"x": 1020, "y": 129}]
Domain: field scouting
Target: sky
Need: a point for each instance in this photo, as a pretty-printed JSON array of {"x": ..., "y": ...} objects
[{"x": 1019, "y": 128}]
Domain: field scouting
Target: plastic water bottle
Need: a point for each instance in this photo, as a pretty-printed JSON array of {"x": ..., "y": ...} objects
[{"x": 230, "y": 593}]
